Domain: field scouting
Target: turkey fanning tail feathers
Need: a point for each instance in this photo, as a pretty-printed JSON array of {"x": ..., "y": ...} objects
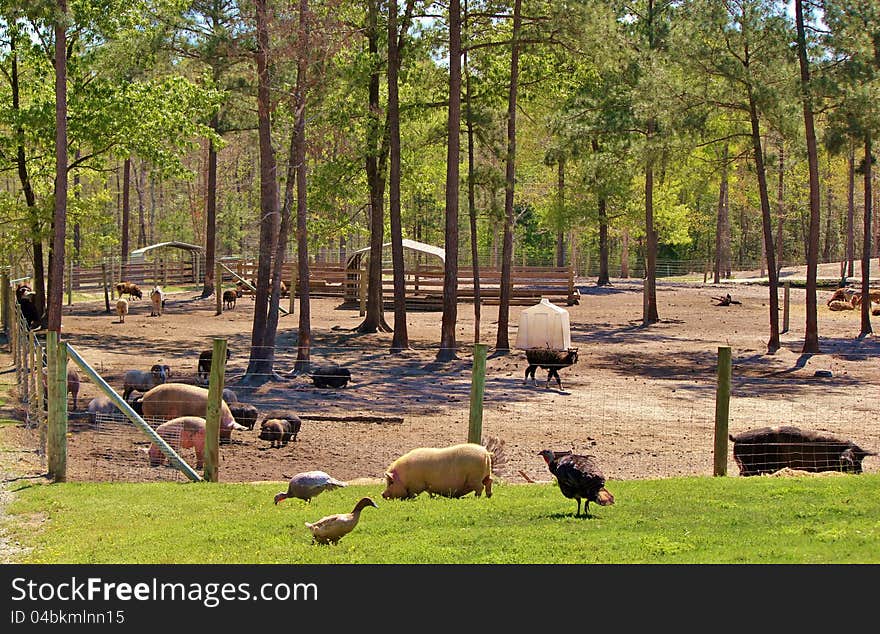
[{"x": 578, "y": 477}]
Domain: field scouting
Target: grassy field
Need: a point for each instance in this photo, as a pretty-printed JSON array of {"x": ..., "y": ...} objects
[{"x": 671, "y": 521}]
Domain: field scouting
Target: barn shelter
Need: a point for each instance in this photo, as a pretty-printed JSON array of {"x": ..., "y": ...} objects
[
  {"x": 424, "y": 274},
  {"x": 179, "y": 259},
  {"x": 138, "y": 256},
  {"x": 423, "y": 271}
]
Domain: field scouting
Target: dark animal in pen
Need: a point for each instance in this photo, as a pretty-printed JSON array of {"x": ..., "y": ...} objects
[
  {"x": 27, "y": 301},
  {"x": 142, "y": 381},
  {"x": 129, "y": 288},
  {"x": 332, "y": 376},
  {"x": 578, "y": 477},
  {"x": 769, "y": 449},
  {"x": 277, "y": 431},
  {"x": 550, "y": 360},
  {"x": 294, "y": 422},
  {"x": 204, "y": 366},
  {"x": 244, "y": 413},
  {"x": 727, "y": 300},
  {"x": 229, "y": 298}
]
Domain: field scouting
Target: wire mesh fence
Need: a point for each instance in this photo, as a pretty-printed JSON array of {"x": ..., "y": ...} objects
[{"x": 641, "y": 400}]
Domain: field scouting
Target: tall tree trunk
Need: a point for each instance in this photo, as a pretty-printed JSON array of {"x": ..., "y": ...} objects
[
  {"x": 140, "y": 183},
  {"x": 211, "y": 213},
  {"x": 866, "y": 245},
  {"x": 126, "y": 208},
  {"x": 472, "y": 205},
  {"x": 400, "y": 340},
  {"x": 722, "y": 222},
  {"x": 850, "y": 212},
  {"x": 624, "y": 254},
  {"x": 560, "y": 193},
  {"x": 829, "y": 216},
  {"x": 33, "y": 215},
  {"x": 447, "y": 350},
  {"x": 780, "y": 207},
  {"x": 811, "y": 332},
  {"x": 649, "y": 309},
  {"x": 602, "y": 206},
  {"x": 375, "y": 320},
  {"x": 262, "y": 356},
  {"x": 77, "y": 237},
  {"x": 502, "y": 341},
  {"x": 56, "y": 273},
  {"x": 767, "y": 224},
  {"x": 304, "y": 335}
]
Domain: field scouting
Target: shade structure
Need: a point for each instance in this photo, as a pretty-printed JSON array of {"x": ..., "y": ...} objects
[{"x": 544, "y": 325}]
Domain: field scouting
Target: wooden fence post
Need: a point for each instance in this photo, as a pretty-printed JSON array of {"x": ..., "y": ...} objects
[
  {"x": 212, "y": 415},
  {"x": 293, "y": 281},
  {"x": 478, "y": 384},
  {"x": 70, "y": 282},
  {"x": 722, "y": 410},
  {"x": 218, "y": 286},
  {"x": 4, "y": 298},
  {"x": 35, "y": 403},
  {"x": 56, "y": 448},
  {"x": 104, "y": 284},
  {"x": 786, "y": 301},
  {"x": 24, "y": 344},
  {"x": 39, "y": 394},
  {"x": 362, "y": 293}
]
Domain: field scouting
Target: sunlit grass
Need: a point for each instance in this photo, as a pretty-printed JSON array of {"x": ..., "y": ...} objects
[{"x": 677, "y": 520}]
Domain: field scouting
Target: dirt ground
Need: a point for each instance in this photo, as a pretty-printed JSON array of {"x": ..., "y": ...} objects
[{"x": 640, "y": 399}]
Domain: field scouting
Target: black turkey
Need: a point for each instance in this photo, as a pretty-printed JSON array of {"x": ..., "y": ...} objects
[{"x": 578, "y": 477}]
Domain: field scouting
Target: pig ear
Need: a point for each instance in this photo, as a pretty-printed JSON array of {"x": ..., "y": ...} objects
[{"x": 389, "y": 477}]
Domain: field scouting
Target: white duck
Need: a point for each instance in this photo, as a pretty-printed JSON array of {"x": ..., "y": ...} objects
[
  {"x": 307, "y": 485},
  {"x": 330, "y": 529}
]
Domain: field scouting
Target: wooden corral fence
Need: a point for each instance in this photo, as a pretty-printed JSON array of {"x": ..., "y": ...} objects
[
  {"x": 424, "y": 284},
  {"x": 162, "y": 272}
]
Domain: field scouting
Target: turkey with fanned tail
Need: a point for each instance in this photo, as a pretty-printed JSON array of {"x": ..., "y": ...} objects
[{"x": 579, "y": 478}]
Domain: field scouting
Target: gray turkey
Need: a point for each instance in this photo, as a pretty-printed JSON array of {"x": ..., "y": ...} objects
[
  {"x": 307, "y": 485},
  {"x": 579, "y": 478}
]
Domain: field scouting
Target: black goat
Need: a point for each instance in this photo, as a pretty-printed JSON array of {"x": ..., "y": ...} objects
[
  {"x": 204, "y": 367},
  {"x": 27, "y": 301},
  {"x": 550, "y": 360}
]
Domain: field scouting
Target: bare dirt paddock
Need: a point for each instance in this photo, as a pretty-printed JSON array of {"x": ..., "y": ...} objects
[{"x": 641, "y": 399}]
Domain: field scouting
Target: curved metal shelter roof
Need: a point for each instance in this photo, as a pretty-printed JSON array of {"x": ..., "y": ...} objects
[
  {"x": 413, "y": 245},
  {"x": 138, "y": 254}
]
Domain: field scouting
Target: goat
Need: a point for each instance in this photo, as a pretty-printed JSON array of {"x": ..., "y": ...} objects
[
  {"x": 550, "y": 360},
  {"x": 27, "y": 301},
  {"x": 122, "y": 309},
  {"x": 129, "y": 288},
  {"x": 204, "y": 366},
  {"x": 144, "y": 381},
  {"x": 157, "y": 297},
  {"x": 229, "y": 299}
]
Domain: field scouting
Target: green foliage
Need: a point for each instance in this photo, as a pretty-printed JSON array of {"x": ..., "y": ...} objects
[{"x": 674, "y": 521}]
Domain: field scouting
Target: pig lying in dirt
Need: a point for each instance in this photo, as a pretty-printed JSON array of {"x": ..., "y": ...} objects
[
  {"x": 769, "y": 449},
  {"x": 171, "y": 400},
  {"x": 181, "y": 433},
  {"x": 449, "y": 471}
]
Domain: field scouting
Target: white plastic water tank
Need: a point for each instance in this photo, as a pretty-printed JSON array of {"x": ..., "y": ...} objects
[{"x": 543, "y": 325}]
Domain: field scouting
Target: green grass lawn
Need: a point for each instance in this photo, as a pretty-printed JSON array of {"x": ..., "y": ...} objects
[{"x": 670, "y": 521}]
